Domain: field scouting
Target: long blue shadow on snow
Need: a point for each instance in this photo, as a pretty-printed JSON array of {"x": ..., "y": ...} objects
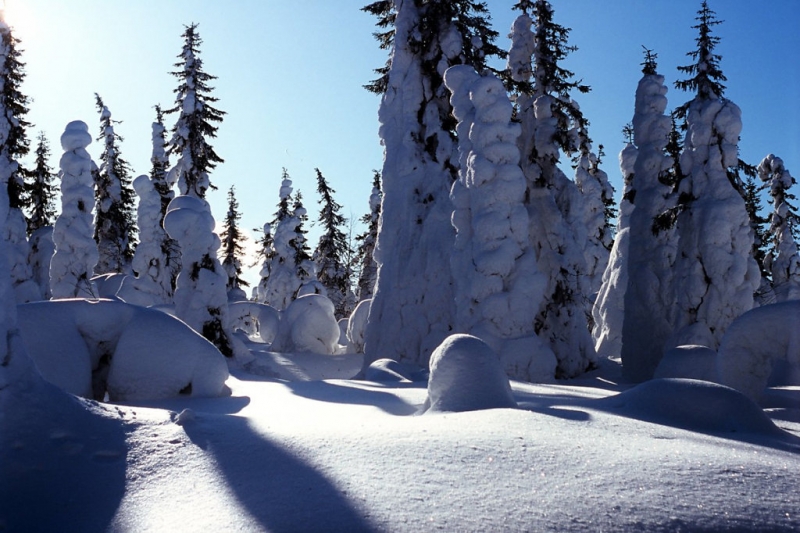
[
  {"x": 326, "y": 391},
  {"x": 62, "y": 468},
  {"x": 279, "y": 490}
]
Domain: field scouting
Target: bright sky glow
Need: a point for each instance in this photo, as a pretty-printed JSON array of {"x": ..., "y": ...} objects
[{"x": 290, "y": 77}]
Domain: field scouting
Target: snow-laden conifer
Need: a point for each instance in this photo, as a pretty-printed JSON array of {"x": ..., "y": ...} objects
[
  {"x": 608, "y": 308},
  {"x": 715, "y": 273},
  {"x": 782, "y": 260},
  {"x": 115, "y": 229},
  {"x": 75, "y": 257},
  {"x": 550, "y": 122},
  {"x": 499, "y": 288},
  {"x": 367, "y": 267},
  {"x": 200, "y": 296},
  {"x": 232, "y": 248},
  {"x": 196, "y": 120},
  {"x": 333, "y": 272},
  {"x": 14, "y": 145},
  {"x": 41, "y": 189},
  {"x": 412, "y": 309}
]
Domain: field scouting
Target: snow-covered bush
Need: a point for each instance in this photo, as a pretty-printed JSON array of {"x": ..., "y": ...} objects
[
  {"x": 357, "y": 325},
  {"x": 256, "y": 320},
  {"x": 90, "y": 348},
  {"x": 76, "y": 255},
  {"x": 754, "y": 341},
  {"x": 691, "y": 361},
  {"x": 308, "y": 325},
  {"x": 466, "y": 375}
]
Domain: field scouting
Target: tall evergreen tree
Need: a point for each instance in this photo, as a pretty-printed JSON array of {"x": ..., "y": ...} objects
[
  {"x": 715, "y": 273},
  {"x": 41, "y": 190},
  {"x": 14, "y": 145},
  {"x": 232, "y": 248},
  {"x": 196, "y": 120},
  {"x": 333, "y": 272},
  {"x": 299, "y": 244},
  {"x": 115, "y": 227},
  {"x": 366, "y": 265},
  {"x": 274, "y": 257},
  {"x": 161, "y": 180},
  {"x": 412, "y": 309}
]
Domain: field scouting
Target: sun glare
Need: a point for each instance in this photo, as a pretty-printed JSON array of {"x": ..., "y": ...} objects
[{"x": 17, "y": 17}]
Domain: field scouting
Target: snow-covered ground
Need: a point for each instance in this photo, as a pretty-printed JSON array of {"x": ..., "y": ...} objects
[{"x": 311, "y": 450}]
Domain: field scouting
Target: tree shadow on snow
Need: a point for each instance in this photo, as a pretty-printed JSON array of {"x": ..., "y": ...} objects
[
  {"x": 281, "y": 491},
  {"x": 226, "y": 405},
  {"x": 326, "y": 391},
  {"x": 62, "y": 468},
  {"x": 559, "y": 405}
]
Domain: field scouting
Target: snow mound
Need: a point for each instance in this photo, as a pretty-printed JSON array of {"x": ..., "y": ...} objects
[
  {"x": 357, "y": 326},
  {"x": 90, "y": 348},
  {"x": 258, "y": 321},
  {"x": 693, "y": 405},
  {"x": 691, "y": 361},
  {"x": 754, "y": 341},
  {"x": 308, "y": 325},
  {"x": 389, "y": 370},
  {"x": 466, "y": 375}
]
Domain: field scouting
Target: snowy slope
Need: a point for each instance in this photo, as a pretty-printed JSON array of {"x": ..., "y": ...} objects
[{"x": 341, "y": 455}]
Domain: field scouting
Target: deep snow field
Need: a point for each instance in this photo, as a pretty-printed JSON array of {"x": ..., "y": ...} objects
[{"x": 312, "y": 450}]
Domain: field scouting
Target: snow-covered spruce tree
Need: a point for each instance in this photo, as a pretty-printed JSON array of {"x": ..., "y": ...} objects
[
  {"x": 41, "y": 189},
  {"x": 648, "y": 317},
  {"x": 608, "y": 309},
  {"x": 550, "y": 124},
  {"x": 14, "y": 145},
  {"x": 232, "y": 248},
  {"x": 715, "y": 273},
  {"x": 412, "y": 309},
  {"x": 200, "y": 296},
  {"x": 367, "y": 267},
  {"x": 305, "y": 269},
  {"x": 268, "y": 251},
  {"x": 76, "y": 254},
  {"x": 499, "y": 288},
  {"x": 114, "y": 225},
  {"x": 333, "y": 272},
  {"x": 782, "y": 259},
  {"x": 196, "y": 119},
  {"x": 156, "y": 261}
]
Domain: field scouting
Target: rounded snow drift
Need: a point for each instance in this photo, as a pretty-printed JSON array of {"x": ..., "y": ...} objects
[
  {"x": 691, "y": 361},
  {"x": 308, "y": 325},
  {"x": 466, "y": 375}
]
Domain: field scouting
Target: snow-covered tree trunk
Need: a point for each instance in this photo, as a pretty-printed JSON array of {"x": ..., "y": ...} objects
[
  {"x": 76, "y": 251},
  {"x": 783, "y": 260},
  {"x": 609, "y": 306},
  {"x": 715, "y": 273},
  {"x": 499, "y": 288},
  {"x": 648, "y": 296},
  {"x": 412, "y": 308},
  {"x": 368, "y": 275},
  {"x": 200, "y": 296}
]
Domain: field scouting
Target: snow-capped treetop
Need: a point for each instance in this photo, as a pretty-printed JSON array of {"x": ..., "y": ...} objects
[{"x": 196, "y": 118}]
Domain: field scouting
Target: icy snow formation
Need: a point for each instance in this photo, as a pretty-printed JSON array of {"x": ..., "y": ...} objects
[
  {"x": 648, "y": 296},
  {"x": 783, "y": 260},
  {"x": 715, "y": 273},
  {"x": 76, "y": 254},
  {"x": 466, "y": 375},
  {"x": 256, "y": 320},
  {"x": 357, "y": 325},
  {"x": 754, "y": 341},
  {"x": 88, "y": 348},
  {"x": 412, "y": 307},
  {"x": 608, "y": 309},
  {"x": 201, "y": 299},
  {"x": 308, "y": 325},
  {"x": 42, "y": 250},
  {"x": 153, "y": 282},
  {"x": 499, "y": 288}
]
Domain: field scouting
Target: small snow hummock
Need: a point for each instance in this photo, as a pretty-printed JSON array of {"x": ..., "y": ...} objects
[
  {"x": 357, "y": 325},
  {"x": 308, "y": 325},
  {"x": 754, "y": 341},
  {"x": 75, "y": 257},
  {"x": 466, "y": 375}
]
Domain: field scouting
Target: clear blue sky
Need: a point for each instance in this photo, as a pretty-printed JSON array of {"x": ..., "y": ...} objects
[{"x": 290, "y": 77}]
